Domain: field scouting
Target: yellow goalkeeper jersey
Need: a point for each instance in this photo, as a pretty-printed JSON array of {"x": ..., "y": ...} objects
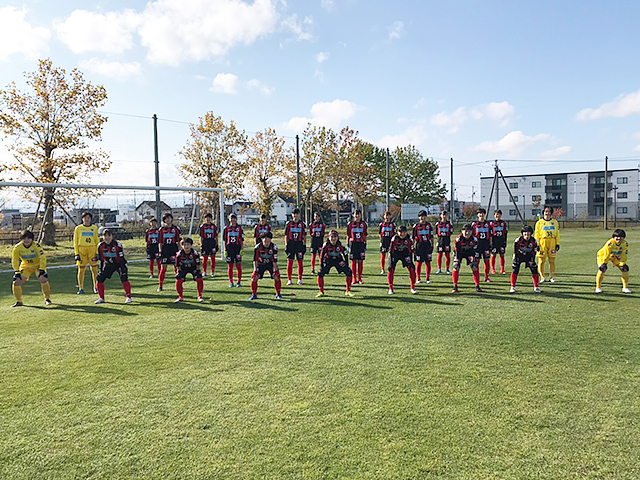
[
  {"x": 85, "y": 237},
  {"x": 612, "y": 250},
  {"x": 32, "y": 257},
  {"x": 547, "y": 230}
]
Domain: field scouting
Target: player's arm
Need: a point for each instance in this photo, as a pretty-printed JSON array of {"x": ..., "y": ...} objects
[
  {"x": 41, "y": 258},
  {"x": 76, "y": 240},
  {"x": 15, "y": 259},
  {"x": 275, "y": 258},
  {"x": 537, "y": 233},
  {"x": 241, "y": 238},
  {"x": 557, "y": 234}
]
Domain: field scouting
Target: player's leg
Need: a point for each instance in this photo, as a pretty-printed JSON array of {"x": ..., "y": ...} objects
[
  {"x": 417, "y": 270},
  {"x": 199, "y": 283},
  {"x": 439, "y": 262},
  {"x": 100, "y": 284},
  {"x": 625, "y": 277},
  {"x": 455, "y": 273},
  {"x": 16, "y": 287},
  {"x": 213, "y": 264},
  {"x": 93, "y": 265},
  {"x": 515, "y": 271},
  {"x": 255, "y": 276},
  {"x": 348, "y": 278},
  {"x": 412, "y": 276},
  {"x": 475, "y": 270},
  {"x": 239, "y": 272},
  {"x": 277, "y": 282},
  {"x": 427, "y": 266},
  {"x": 540, "y": 257},
  {"x": 81, "y": 272},
  {"x": 321, "y": 281},
  {"x": 126, "y": 285},
  {"x": 552, "y": 266},
  {"x": 205, "y": 263},
  {"x": 390, "y": 274},
  {"x": 493, "y": 263},
  {"x": 383, "y": 257},
  {"x": 300, "y": 261},
  {"x": 43, "y": 278},
  {"x": 487, "y": 266},
  {"x": 535, "y": 276},
  {"x": 447, "y": 258}
]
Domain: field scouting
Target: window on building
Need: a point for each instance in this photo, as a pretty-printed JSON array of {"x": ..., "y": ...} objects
[
  {"x": 536, "y": 184},
  {"x": 515, "y": 199},
  {"x": 599, "y": 180},
  {"x": 622, "y": 194},
  {"x": 513, "y": 185},
  {"x": 598, "y": 195},
  {"x": 534, "y": 211},
  {"x": 598, "y": 211},
  {"x": 621, "y": 209},
  {"x": 512, "y": 212},
  {"x": 623, "y": 180},
  {"x": 536, "y": 198},
  {"x": 556, "y": 182}
]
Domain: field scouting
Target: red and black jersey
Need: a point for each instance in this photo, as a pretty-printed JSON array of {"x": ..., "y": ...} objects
[
  {"x": 387, "y": 229},
  {"x": 259, "y": 229},
  {"x": 357, "y": 232},
  {"x": 151, "y": 236},
  {"x": 499, "y": 229},
  {"x": 444, "y": 229},
  {"x": 525, "y": 248},
  {"x": 264, "y": 255},
  {"x": 422, "y": 232},
  {"x": 482, "y": 230},
  {"x": 331, "y": 253},
  {"x": 295, "y": 231},
  {"x": 317, "y": 229},
  {"x": 233, "y": 235},
  {"x": 188, "y": 261},
  {"x": 110, "y": 254},
  {"x": 401, "y": 246},
  {"x": 169, "y": 235},
  {"x": 465, "y": 248},
  {"x": 208, "y": 232}
]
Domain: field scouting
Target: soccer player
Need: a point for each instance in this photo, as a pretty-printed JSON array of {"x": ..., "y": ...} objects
[
  {"x": 334, "y": 255},
  {"x": 386, "y": 230},
  {"x": 209, "y": 244},
  {"x": 261, "y": 227},
  {"x": 422, "y": 234},
  {"x": 357, "y": 242},
  {"x": 524, "y": 251},
  {"x": 401, "y": 249},
  {"x": 316, "y": 232},
  {"x": 615, "y": 251},
  {"x": 482, "y": 231},
  {"x": 547, "y": 234},
  {"x": 233, "y": 237},
  {"x": 188, "y": 262},
  {"x": 265, "y": 259},
  {"x": 111, "y": 258},
  {"x": 295, "y": 244},
  {"x": 28, "y": 258},
  {"x": 465, "y": 247},
  {"x": 85, "y": 244},
  {"x": 444, "y": 230},
  {"x": 153, "y": 251},
  {"x": 499, "y": 232},
  {"x": 168, "y": 241}
]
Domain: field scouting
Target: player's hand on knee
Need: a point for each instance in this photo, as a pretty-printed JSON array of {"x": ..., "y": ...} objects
[
  {"x": 77, "y": 258},
  {"x": 603, "y": 267},
  {"x": 42, "y": 275},
  {"x": 17, "y": 277}
]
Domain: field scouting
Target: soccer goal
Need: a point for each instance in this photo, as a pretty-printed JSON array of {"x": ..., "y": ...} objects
[{"x": 125, "y": 209}]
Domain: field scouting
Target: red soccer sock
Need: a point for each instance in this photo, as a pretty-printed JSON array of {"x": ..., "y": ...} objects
[
  {"x": 427, "y": 269},
  {"x": 493, "y": 262},
  {"x": 179, "y": 288},
  {"x": 501, "y": 263},
  {"x": 127, "y": 288},
  {"x": 239, "y": 271},
  {"x": 486, "y": 268},
  {"x": 161, "y": 275},
  {"x": 348, "y": 282},
  {"x": 321, "y": 284},
  {"x": 313, "y": 261},
  {"x": 100, "y": 287},
  {"x": 456, "y": 276},
  {"x": 289, "y": 269},
  {"x": 300, "y": 268},
  {"x": 277, "y": 282},
  {"x": 230, "y": 272},
  {"x": 439, "y": 260},
  {"x": 447, "y": 257},
  {"x": 476, "y": 277},
  {"x": 382, "y": 261},
  {"x": 360, "y": 264},
  {"x": 514, "y": 278},
  {"x": 200, "y": 285},
  {"x": 151, "y": 262},
  {"x": 213, "y": 263},
  {"x": 536, "y": 279},
  {"x": 417, "y": 270},
  {"x": 354, "y": 269},
  {"x": 412, "y": 277},
  {"x": 254, "y": 283},
  {"x": 205, "y": 261},
  {"x": 390, "y": 278}
]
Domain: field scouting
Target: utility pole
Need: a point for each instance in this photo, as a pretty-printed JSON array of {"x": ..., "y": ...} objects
[
  {"x": 157, "y": 162},
  {"x": 452, "y": 206},
  {"x": 388, "y": 183},
  {"x": 298, "y": 201},
  {"x": 606, "y": 187}
]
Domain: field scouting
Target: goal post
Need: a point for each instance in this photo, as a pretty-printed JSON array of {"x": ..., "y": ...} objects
[{"x": 103, "y": 197}]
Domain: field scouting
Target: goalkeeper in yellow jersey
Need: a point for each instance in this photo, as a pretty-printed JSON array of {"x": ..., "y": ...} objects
[
  {"x": 615, "y": 251},
  {"x": 28, "y": 258},
  {"x": 547, "y": 234},
  {"x": 85, "y": 249}
]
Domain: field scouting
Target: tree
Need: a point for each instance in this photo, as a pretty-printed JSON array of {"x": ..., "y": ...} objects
[
  {"x": 49, "y": 126},
  {"x": 362, "y": 182},
  {"x": 213, "y": 158},
  {"x": 317, "y": 145},
  {"x": 270, "y": 167},
  {"x": 469, "y": 211}
]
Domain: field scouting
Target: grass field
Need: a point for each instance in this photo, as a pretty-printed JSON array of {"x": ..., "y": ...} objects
[{"x": 432, "y": 386}]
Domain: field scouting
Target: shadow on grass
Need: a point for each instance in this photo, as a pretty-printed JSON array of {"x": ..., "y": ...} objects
[{"x": 94, "y": 309}]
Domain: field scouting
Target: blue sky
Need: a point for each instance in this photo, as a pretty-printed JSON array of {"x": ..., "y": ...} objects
[{"x": 542, "y": 86}]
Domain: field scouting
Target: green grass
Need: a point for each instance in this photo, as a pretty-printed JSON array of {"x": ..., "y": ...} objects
[{"x": 433, "y": 386}]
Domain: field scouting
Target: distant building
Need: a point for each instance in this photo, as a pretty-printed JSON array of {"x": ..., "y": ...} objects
[
  {"x": 580, "y": 194},
  {"x": 182, "y": 215},
  {"x": 147, "y": 210},
  {"x": 281, "y": 209}
]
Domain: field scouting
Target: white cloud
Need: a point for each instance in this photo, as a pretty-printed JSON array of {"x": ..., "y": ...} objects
[
  {"x": 328, "y": 5},
  {"x": 326, "y": 114},
  {"x": 225, "y": 83},
  {"x": 255, "y": 84},
  {"x": 623, "y": 106},
  {"x": 497, "y": 111},
  {"x": 396, "y": 30},
  {"x": 413, "y": 135},
  {"x": 556, "y": 152},
  {"x": 17, "y": 36},
  {"x": 176, "y": 31},
  {"x": 118, "y": 70},
  {"x": 512, "y": 144},
  {"x": 322, "y": 57},
  {"x": 299, "y": 28},
  {"x": 111, "y": 32},
  {"x": 451, "y": 121}
]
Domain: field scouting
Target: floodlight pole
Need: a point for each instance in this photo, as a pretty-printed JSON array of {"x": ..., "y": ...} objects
[
  {"x": 606, "y": 185},
  {"x": 157, "y": 166},
  {"x": 388, "y": 183}
]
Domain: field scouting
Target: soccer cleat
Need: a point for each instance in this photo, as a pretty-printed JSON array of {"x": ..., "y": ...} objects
[
  {"x": 428, "y": 280},
  {"x": 448, "y": 272},
  {"x": 598, "y": 290},
  {"x": 253, "y": 297},
  {"x": 99, "y": 301},
  {"x": 200, "y": 299},
  {"x": 278, "y": 296},
  {"x": 626, "y": 290},
  {"x": 349, "y": 294},
  {"x": 542, "y": 279},
  {"x": 487, "y": 279},
  {"x": 178, "y": 300},
  {"x": 382, "y": 272},
  {"x": 360, "y": 282},
  {"x": 299, "y": 282},
  {"x": 552, "y": 280},
  {"x": 128, "y": 300},
  {"x": 418, "y": 281},
  {"x": 512, "y": 290},
  {"x": 391, "y": 292},
  {"x": 159, "y": 289},
  {"x": 238, "y": 284},
  {"x": 231, "y": 285},
  {"x": 313, "y": 272},
  {"x": 503, "y": 272},
  {"x": 493, "y": 271},
  {"x": 414, "y": 291},
  {"x": 48, "y": 302},
  {"x": 536, "y": 290},
  {"x": 289, "y": 282},
  {"x": 213, "y": 274},
  {"x": 18, "y": 304},
  {"x": 80, "y": 291},
  {"x": 319, "y": 294},
  {"x": 478, "y": 289},
  {"x": 95, "y": 290},
  {"x": 455, "y": 290},
  {"x": 151, "y": 276},
  {"x": 439, "y": 271}
]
